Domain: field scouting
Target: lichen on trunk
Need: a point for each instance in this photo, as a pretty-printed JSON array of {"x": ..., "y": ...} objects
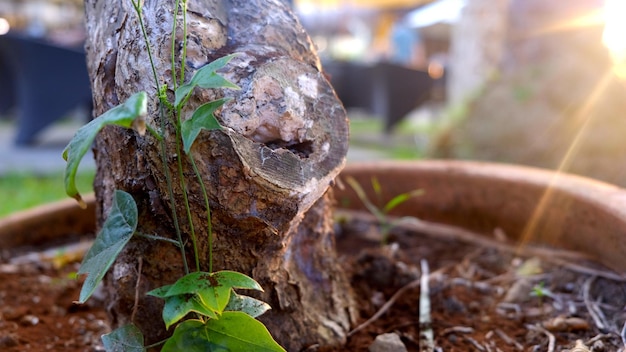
[{"x": 267, "y": 172}]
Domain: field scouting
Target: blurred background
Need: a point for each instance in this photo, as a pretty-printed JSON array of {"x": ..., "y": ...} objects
[{"x": 533, "y": 82}]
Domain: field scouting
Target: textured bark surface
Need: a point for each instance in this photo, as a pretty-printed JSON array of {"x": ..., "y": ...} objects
[{"x": 267, "y": 172}]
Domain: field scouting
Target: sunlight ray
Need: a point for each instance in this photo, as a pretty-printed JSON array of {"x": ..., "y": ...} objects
[
  {"x": 593, "y": 18},
  {"x": 550, "y": 198}
]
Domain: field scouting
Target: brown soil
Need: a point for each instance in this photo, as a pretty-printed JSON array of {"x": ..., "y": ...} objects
[
  {"x": 37, "y": 309},
  {"x": 480, "y": 295}
]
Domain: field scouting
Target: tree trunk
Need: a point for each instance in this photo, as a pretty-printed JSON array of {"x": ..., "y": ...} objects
[{"x": 267, "y": 173}]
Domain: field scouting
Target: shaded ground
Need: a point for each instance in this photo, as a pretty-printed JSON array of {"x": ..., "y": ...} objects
[{"x": 483, "y": 296}]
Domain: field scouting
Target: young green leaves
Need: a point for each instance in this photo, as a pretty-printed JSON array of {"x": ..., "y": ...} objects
[
  {"x": 221, "y": 318},
  {"x": 203, "y": 117},
  {"x": 204, "y": 293},
  {"x": 233, "y": 331},
  {"x": 206, "y": 77},
  {"x": 116, "y": 231},
  {"x": 132, "y": 112},
  {"x": 381, "y": 214},
  {"x": 129, "y": 114},
  {"x": 230, "y": 325},
  {"x": 122, "y": 220}
]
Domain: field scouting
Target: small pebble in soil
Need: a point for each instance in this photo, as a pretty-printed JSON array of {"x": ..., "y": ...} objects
[
  {"x": 29, "y": 320},
  {"x": 562, "y": 323},
  {"x": 387, "y": 343}
]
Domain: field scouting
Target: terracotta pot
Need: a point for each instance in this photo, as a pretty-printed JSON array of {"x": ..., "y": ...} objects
[
  {"x": 529, "y": 205},
  {"x": 47, "y": 223}
]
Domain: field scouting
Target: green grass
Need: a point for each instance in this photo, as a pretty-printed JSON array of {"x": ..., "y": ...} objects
[
  {"x": 19, "y": 191},
  {"x": 367, "y": 133}
]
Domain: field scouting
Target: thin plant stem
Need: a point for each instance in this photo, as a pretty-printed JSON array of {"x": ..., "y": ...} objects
[
  {"x": 170, "y": 191},
  {"x": 158, "y": 238},
  {"x": 177, "y": 122},
  {"x": 184, "y": 57},
  {"x": 137, "y": 6},
  {"x": 194, "y": 240},
  {"x": 173, "y": 53},
  {"x": 168, "y": 176},
  {"x": 162, "y": 342},
  {"x": 154, "y": 133},
  {"x": 208, "y": 212}
]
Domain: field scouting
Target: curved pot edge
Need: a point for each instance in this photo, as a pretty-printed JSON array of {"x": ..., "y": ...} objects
[
  {"x": 48, "y": 222},
  {"x": 531, "y": 205},
  {"x": 563, "y": 210}
]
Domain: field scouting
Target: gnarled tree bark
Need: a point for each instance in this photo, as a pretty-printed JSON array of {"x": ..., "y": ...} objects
[{"x": 267, "y": 173}]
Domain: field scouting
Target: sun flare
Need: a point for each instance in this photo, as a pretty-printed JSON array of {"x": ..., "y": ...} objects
[{"x": 613, "y": 36}]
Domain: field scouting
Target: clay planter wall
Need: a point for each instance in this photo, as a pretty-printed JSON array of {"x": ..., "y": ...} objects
[
  {"x": 530, "y": 205},
  {"x": 48, "y": 223},
  {"x": 560, "y": 210}
]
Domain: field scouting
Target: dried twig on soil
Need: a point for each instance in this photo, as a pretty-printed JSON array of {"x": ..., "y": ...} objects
[
  {"x": 427, "y": 341},
  {"x": 623, "y": 335},
  {"x": 589, "y": 271},
  {"x": 457, "y": 330},
  {"x": 386, "y": 306},
  {"x": 475, "y": 344},
  {"x": 551, "y": 338},
  {"x": 595, "y": 312},
  {"x": 508, "y": 340}
]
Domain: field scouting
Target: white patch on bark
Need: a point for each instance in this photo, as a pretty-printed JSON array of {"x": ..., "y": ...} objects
[
  {"x": 308, "y": 86},
  {"x": 121, "y": 271}
]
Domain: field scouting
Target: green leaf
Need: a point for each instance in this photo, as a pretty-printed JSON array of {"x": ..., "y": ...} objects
[
  {"x": 160, "y": 292},
  {"x": 234, "y": 331},
  {"x": 129, "y": 114},
  {"x": 127, "y": 338},
  {"x": 251, "y": 306},
  {"x": 205, "y": 77},
  {"x": 213, "y": 289},
  {"x": 177, "y": 307},
  {"x": 236, "y": 279},
  {"x": 401, "y": 198},
  {"x": 202, "y": 118},
  {"x": 116, "y": 231}
]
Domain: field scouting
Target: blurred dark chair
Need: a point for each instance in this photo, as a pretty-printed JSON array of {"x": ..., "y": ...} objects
[
  {"x": 42, "y": 80},
  {"x": 385, "y": 89},
  {"x": 7, "y": 90}
]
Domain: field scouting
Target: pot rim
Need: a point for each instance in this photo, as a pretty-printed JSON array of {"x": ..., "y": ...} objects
[
  {"x": 531, "y": 205},
  {"x": 575, "y": 213}
]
